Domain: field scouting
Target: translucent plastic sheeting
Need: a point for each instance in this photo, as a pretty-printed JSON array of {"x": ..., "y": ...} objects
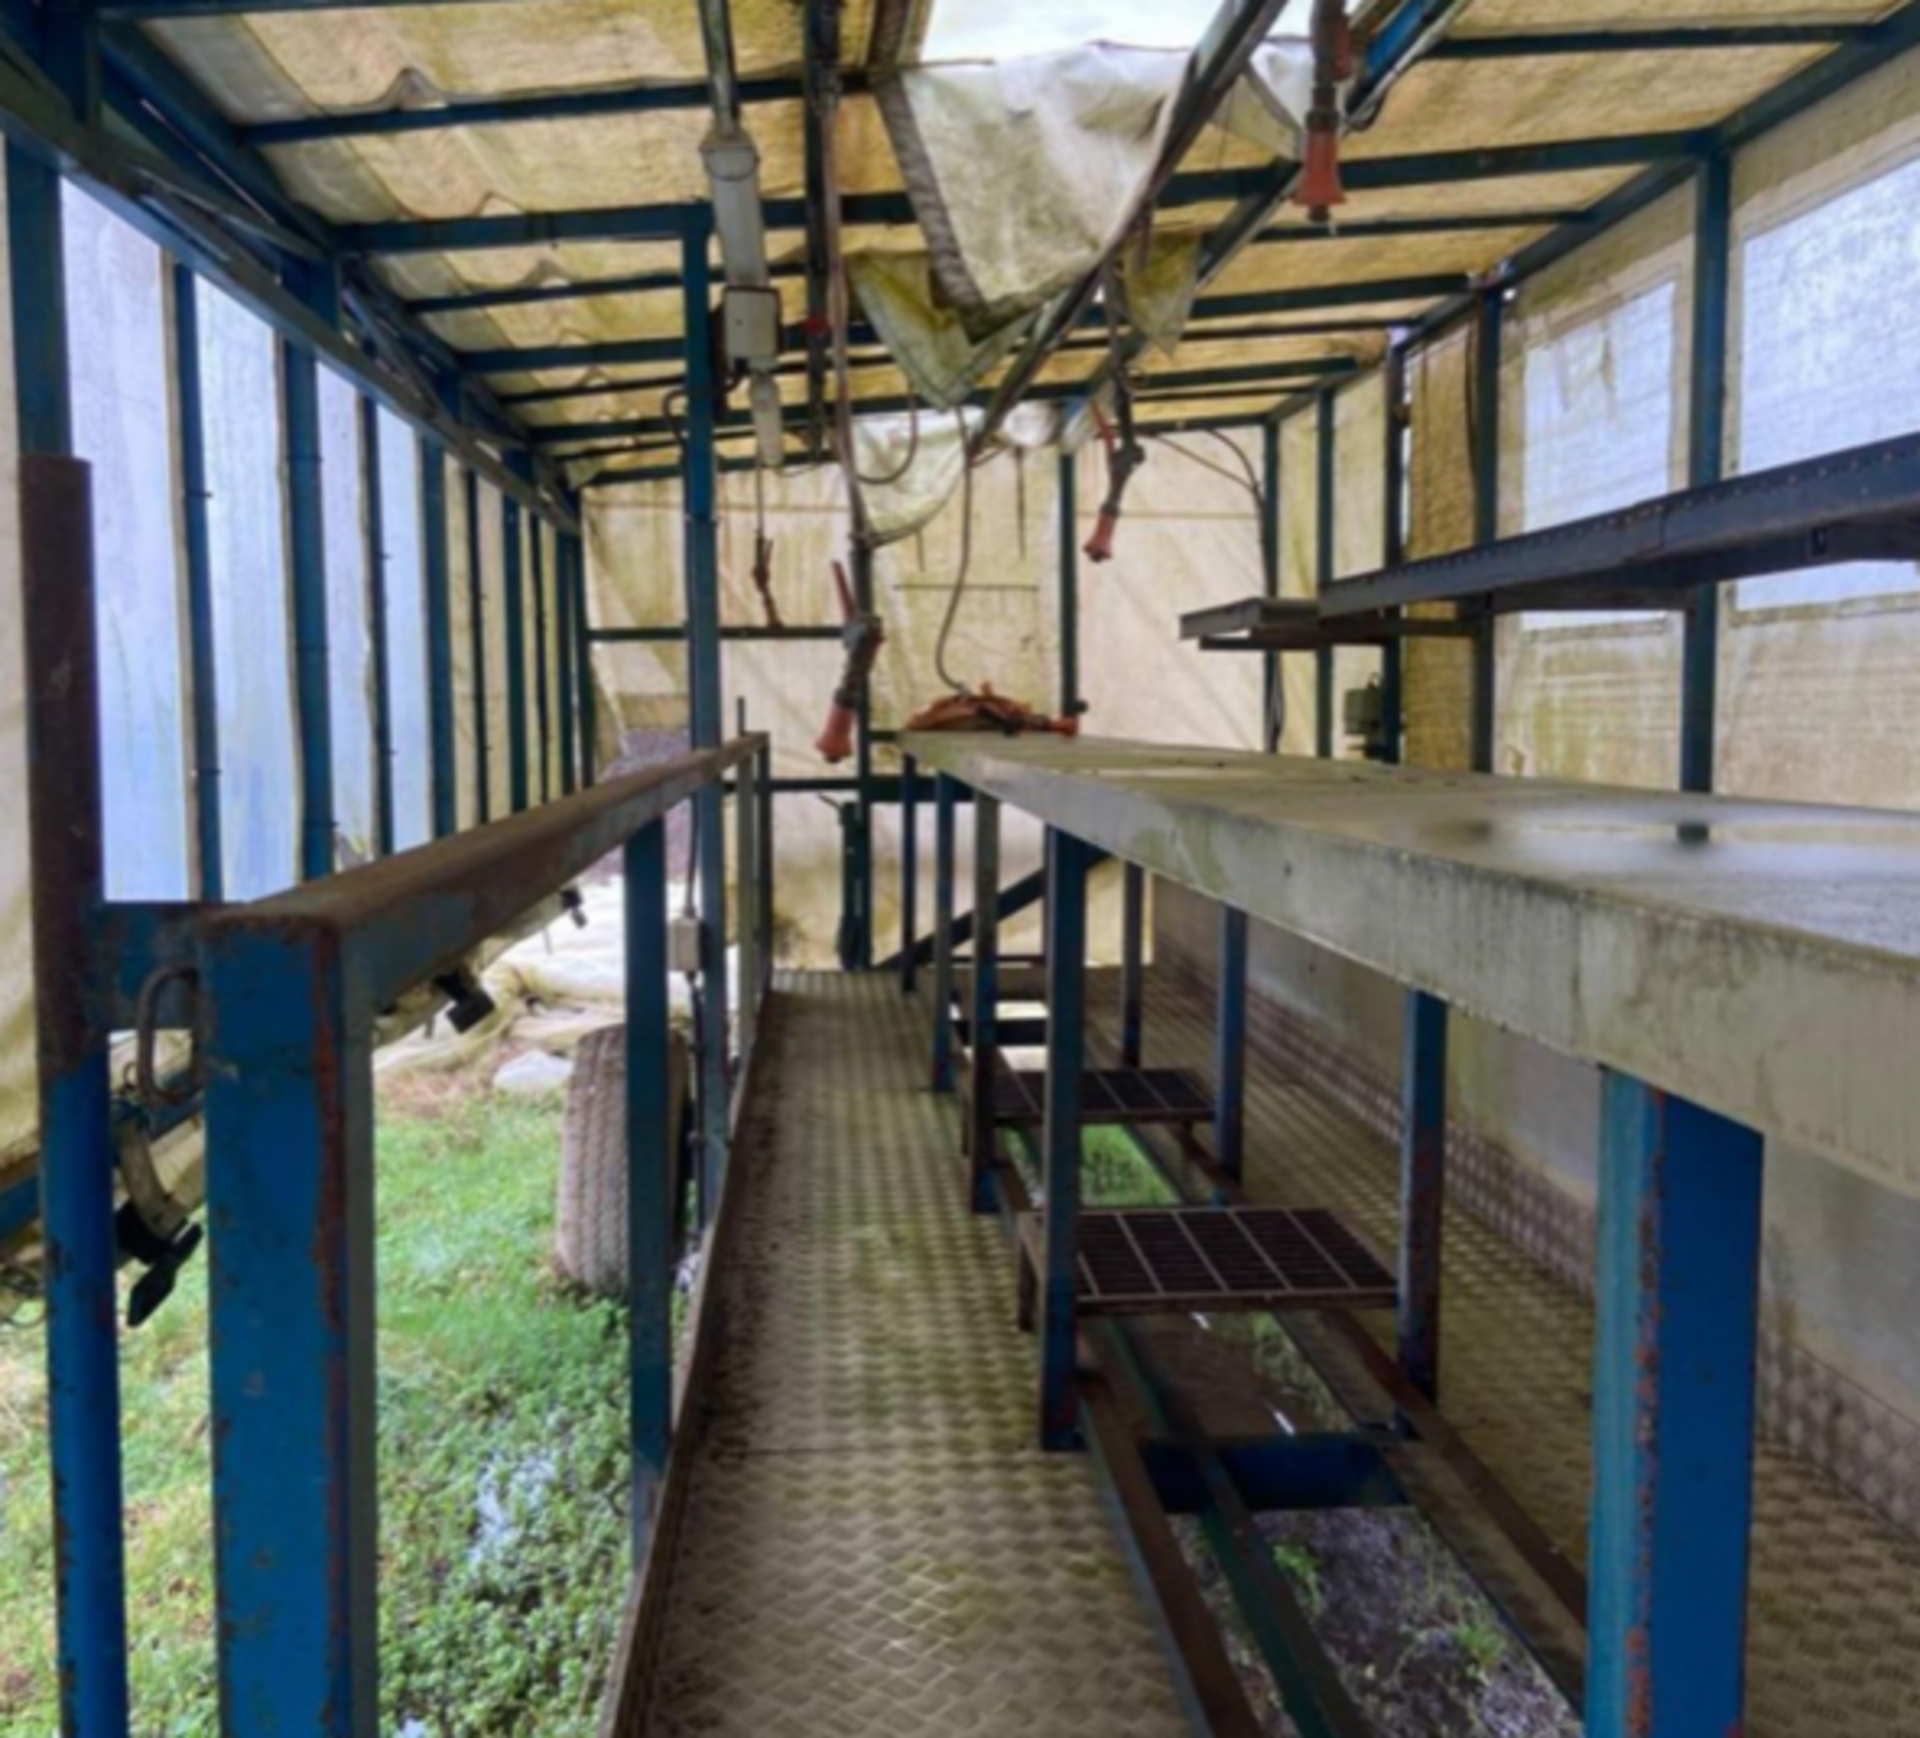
[
  {"x": 1359, "y": 521},
  {"x": 1299, "y": 565},
  {"x": 19, "y": 1116},
  {"x": 493, "y": 607},
  {"x": 1439, "y": 521},
  {"x": 350, "y": 674},
  {"x": 406, "y": 626},
  {"x": 462, "y": 623},
  {"x": 910, "y": 466},
  {"x": 252, "y": 630},
  {"x": 921, "y": 331},
  {"x": 123, "y": 426}
]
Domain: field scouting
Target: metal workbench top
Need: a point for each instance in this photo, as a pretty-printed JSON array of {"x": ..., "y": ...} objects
[{"x": 1761, "y": 958}]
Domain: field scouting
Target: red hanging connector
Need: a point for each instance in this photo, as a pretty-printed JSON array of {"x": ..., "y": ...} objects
[
  {"x": 862, "y": 637},
  {"x": 1124, "y": 457},
  {"x": 1320, "y": 190}
]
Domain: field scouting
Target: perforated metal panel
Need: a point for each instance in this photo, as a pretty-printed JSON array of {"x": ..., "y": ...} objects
[{"x": 1107, "y": 1095}]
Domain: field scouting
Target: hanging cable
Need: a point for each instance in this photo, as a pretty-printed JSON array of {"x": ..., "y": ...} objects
[
  {"x": 961, "y": 569},
  {"x": 913, "y": 450}
]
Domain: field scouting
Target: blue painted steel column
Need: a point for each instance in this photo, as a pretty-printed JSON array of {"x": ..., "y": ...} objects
[
  {"x": 1488, "y": 328},
  {"x": 307, "y": 569},
  {"x": 1133, "y": 938},
  {"x": 66, "y": 838},
  {"x": 542, "y": 701},
  {"x": 704, "y": 682},
  {"x": 1230, "y": 1044},
  {"x": 564, "y": 630},
  {"x": 375, "y": 527},
  {"x": 1325, "y": 495},
  {"x": 1070, "y": 702},
  {"x": 1393, "y": 656},
  {"x": 438, "y": 582},
  {"x": 653, "y": 1173},
  {"x": 291, "y": 1232},
  {"x": 516, "y": 607},
  {"x": 201, "y": 662},
  {"x": 477, "y": 637},
  {"x": 1706, "y": 456},
  {"x": 909, "y": 873},
  {"x": 1068, "y": 859},
  {"x": 943, "y": 857},
  {"x": 583, "y": 656},
  {"x": 1680, "y": 1194},
  {"x": 983, "y": 1011},
  {"x": 1423, "y": 1187},
  {"x": 1271, "y": 700}
]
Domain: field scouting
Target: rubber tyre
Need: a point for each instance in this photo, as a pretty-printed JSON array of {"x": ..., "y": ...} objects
[{"x": 590, "y": 1232}]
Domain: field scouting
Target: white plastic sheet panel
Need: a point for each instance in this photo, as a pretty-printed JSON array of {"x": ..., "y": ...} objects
[
  {"x": 349, "y": 633},
  {"x": 460, "y": 617},
  {"x": 252, "y": 615},
  {"x": 407, "y": 680},
  {"x": 122, "y": 424},
  {"x": 1299, "y": 553},
  {"x": 493, "y": 607}
]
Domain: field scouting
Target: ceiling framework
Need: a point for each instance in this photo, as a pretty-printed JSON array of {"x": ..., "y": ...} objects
[{"x": 507, "y": 225}]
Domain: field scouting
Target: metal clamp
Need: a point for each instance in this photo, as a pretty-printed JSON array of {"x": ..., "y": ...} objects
[{"x": 154, "y": 1093}]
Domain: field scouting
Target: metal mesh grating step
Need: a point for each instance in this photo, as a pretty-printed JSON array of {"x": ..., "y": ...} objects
[
  {"x": 1107, "y": 1095},
  {"x": 1156, "y": 1260}
]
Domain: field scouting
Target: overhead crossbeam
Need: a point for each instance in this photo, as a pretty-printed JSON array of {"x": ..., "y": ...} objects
[{"x": 1541, "y": 44}]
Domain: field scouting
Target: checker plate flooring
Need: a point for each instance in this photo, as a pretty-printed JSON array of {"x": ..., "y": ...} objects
[
  {"x": 873, "y": 1543},
  {"x": 1834, "y": 1633}
]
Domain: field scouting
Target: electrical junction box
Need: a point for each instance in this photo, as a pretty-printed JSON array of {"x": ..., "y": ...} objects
[
  {"x": 683, "y": 944},
  {"x": 750, "y": 318}
]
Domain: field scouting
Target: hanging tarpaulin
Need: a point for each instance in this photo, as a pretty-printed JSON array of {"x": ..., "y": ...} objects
[
  {"x": 923, "y": 334},
  {"x": 1023, "y": 173},
  {"x": 1159, "y": 282},
  {"x": 1268, "y": 107},
  {"x": 909, "y": 466}
]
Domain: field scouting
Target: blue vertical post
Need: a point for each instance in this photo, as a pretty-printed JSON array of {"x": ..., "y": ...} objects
[
  {"x": 1230, "y": 1044},
  {"x": 1489, "y": 326},
  {"x": 542, "y": 700},
  {"x": 983, "y": 1010},
  {"x": 764, "y": 786},
  {"x": 1068, "y": 859},
  {"x": 1706, "y": 455},
  {"x": 516, "y": 607},
  {"x": 564, "y": 631},
  {"x": 1270, "y": 666},
  {"x": 1069, "y": 585},
  {"x": 909, "y": 873},
  {"x": 583, "y": 658},
  {"x": 201, "y": 662},
  {"x": 1393, "y": 655},
  {"x": 1423, "y": 1187},
  {"x": 652, "y": 1175},
  {"x": 290, "y": 1279},
  {"x": 704, "y": 678},
  {"x": 437, "y": 575},
  {"x": 307, "y": 569},
  {"x": 375, "y": 527},
  {"x": 1325, "y": 452},
  {"x": 66, "y": 840},
  {"x": 943, "y": 903},
  {"x": 859, "y": 813},
  {"x": 477, "y": 638},
  {"x": 1133, "y": 938},
  {"x": 1673, "y": 1400}
]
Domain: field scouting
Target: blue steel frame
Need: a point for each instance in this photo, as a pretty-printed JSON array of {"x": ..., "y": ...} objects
[
  {"x": 1133, "y": 937},
  {"x": 943, "y": 903},
  {"x": 1326, "y": 497},
  {"x": 477, "y": 650},
  {"x": 1270, "y": 667},
  {"x": 1068, "y": 860},
  {"x": 374, "y": 511},
  {"x": 436, "y": 579},
  {"x": 1489, "y": 327},
  {"x": 983, "y": 1008},
  {"x": 1706, "y": 455},
  {"x": 909, "y": 874},
  {"x": 1423, "y": 1184},
  {"x": 518, "y": 785},
  {"x": 196, "y": 557},
  {"x": 1230, "y": 1044}
]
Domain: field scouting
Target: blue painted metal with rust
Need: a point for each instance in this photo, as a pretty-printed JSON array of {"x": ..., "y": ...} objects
[
  {"x": 1068, "y": 860},
  {"x": 477, "y": 651},
  {"x": 1270, "y": 668},
  {"x": 983, "y": 1006},
  {"x": 374, "y": 526},
  {"x": 653, "y": 1172},
  {"x": 944, "y": 807},
  {"x": 1673, "y": 1416},
  {"x": 566, "y": 700},
  {"x": 1393, "y": 656},
  {"x": 204, "y": 677},
  {"x": 1069, "y": 515},
  {"x": 707, "y": 705},
  {"x": 66, "y": 839},
  {"x": 1485, "y": 395},
  {"x": 583, "y": 658},
  {"x": 437, "y": 580},
  {"x": 307, "y": 579},
  {"x": 1326, "y": 495},
  {"x": 542, "y": 700},
  {"x": 515, "y": 606},
  {"x": 1230, "y": 1044},
  {"x": 909, "y": 874},
  {"x": 1423, "y": 1186},
  {"x": 1133, "y": 939},
  {"x": 1706, "y": 455}
]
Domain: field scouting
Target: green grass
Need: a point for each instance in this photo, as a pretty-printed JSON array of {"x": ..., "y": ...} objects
[{"x": 500, "y": 1394}]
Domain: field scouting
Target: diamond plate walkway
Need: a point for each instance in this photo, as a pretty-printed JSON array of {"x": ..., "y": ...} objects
[
  {"x": 1834, "y": 1644},
  {"x": 872, "y": 1542}
]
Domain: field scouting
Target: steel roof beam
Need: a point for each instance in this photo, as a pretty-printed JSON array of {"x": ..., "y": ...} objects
[{"x": 1537, "y": 44}]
